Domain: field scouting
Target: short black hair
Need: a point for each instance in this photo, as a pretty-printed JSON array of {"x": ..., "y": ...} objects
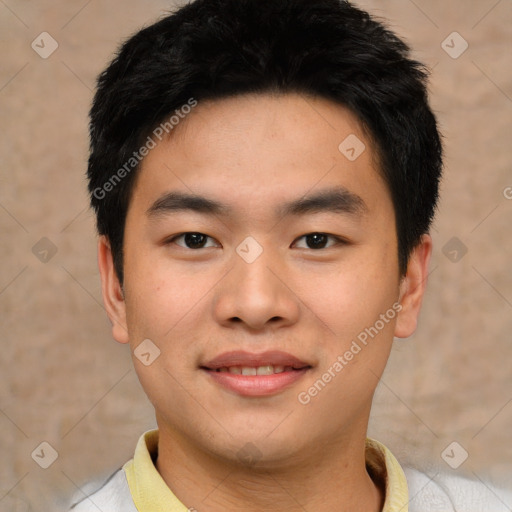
[{"x": 212, "y": 49}]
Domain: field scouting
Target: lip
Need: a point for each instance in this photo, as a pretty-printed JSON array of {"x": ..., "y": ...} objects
[
  {"x": 256, "y": 385},
  {"x": 242, "y": 358}
]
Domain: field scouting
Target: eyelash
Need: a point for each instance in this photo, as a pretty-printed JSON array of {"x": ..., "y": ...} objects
[{"x": 338, "y": 240}]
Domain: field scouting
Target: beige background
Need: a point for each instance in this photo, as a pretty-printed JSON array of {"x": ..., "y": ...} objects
[{"x": 64, "y": 381}]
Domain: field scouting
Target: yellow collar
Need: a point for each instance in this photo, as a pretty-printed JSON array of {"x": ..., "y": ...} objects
[{"x": 151, "y": 494}]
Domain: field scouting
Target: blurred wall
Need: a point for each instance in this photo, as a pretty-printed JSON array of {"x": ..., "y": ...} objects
[{"x": 66, "y": 383}]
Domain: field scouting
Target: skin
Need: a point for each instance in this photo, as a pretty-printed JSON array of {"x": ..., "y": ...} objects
[{"x": 255, "y": 153}]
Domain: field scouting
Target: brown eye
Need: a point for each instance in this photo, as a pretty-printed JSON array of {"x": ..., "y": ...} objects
[
  {"x": 192, "y": 240},
  {"x": 319, "y": 241},
  {"x": 195, "y": 240},
  {"x": 316, "y": 240}
]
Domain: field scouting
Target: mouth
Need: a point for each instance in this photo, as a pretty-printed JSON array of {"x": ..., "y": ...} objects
[
  {"x": 249, "y": 374},
  {"x": 268, "y": 369}
]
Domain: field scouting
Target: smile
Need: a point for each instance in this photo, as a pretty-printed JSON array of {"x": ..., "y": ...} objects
[
  {"x": 260, "y": 370},
  {"x": 254, "y": 375}
]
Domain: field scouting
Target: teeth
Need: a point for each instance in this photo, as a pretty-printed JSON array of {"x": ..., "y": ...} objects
[
  {"x": 260, "y": 370},
  {"x": 265, "y": 370}
]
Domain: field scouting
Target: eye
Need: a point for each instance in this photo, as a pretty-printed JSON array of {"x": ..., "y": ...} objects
[
  {"x": 192, "y": 240},
  {"x": 320, "y": 240}
]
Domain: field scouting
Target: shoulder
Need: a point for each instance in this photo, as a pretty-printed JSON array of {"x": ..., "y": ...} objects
[
  {"x": 445, "y": 492},
  {"x": 112, "y": 496}
]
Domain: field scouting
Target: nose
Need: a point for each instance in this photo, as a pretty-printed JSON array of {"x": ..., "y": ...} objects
[{"x": 257, "y": 295}]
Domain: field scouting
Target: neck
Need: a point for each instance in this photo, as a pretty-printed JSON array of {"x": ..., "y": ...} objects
[{"x": 332, "y": 478}]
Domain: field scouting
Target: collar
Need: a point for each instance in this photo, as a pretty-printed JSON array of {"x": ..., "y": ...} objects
[{"x": 151, "y": 494}]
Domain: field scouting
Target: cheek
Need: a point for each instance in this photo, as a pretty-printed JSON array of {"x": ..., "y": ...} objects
[
  {"x": 162, "y": 306},
  {"x": 351, "y": 297},
  {"x": 154, "y": 300},
  {"x": 165, "y": 303}
]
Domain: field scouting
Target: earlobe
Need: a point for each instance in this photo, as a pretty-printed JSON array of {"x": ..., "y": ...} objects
[
  {"x": 113, "y": 297},
  {"x": 412, "y": 288}
]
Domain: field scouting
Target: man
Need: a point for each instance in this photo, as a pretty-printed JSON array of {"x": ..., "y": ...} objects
[{"x": 264, "y": 175}]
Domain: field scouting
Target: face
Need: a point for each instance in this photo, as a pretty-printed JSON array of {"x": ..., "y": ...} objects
[{"x": 255, "y": 245}]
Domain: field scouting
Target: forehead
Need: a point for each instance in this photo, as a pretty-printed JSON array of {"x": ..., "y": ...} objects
[{"x": 261, "y": 150}]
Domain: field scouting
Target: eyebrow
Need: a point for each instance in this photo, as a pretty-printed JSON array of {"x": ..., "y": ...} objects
[{"x": 335, "y": 200}]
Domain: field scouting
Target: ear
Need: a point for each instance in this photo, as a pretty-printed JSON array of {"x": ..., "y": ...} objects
[
  {"x": 112, "y": 292},
  {"x": 412, "y": 288}
]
